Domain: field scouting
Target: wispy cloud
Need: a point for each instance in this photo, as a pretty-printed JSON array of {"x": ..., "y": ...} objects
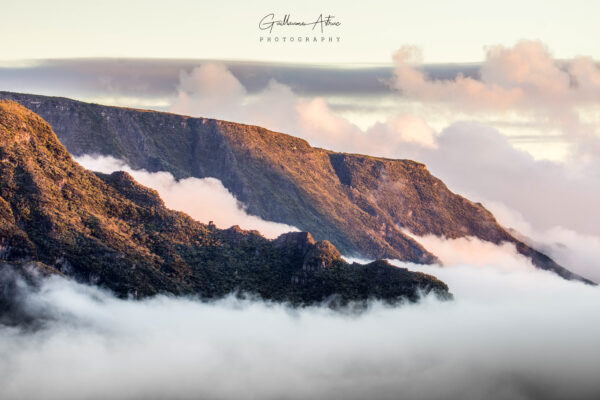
[{"x": 203, "y": 199}]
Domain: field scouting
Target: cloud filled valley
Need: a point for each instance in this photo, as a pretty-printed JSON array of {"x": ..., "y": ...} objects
[
  {"x": 512, "y": 332},
  {"x": 203, "y": 199}
]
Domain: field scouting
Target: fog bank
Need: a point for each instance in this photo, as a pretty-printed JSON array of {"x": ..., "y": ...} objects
[{"x": 511, "y": 333}]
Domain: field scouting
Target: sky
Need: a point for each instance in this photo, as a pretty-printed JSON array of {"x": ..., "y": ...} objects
[{"x": 456, "y": 31}]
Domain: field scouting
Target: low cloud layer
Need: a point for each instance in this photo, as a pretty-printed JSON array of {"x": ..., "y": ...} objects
[
  {"x": 158, "y": 78},
  {"x": 203, "y": 199},
  {"x": 478, "y": 160},
  {"x": 578, "y": 252},
  {"x": 512, "y": 332},
  {"x": 476, "y": 253}
]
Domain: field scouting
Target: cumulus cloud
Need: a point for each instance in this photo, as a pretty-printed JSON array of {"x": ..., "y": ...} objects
[
  {"x": 524, "y": 75},
  {"x": 548, "y": 204},
  {"x": 521, "y": 82},
  {"x": 469, "y": 91},
  {"x": 278, "y": 108},
  {"x": 203, "y": 199},
  {"x": 209, "y": 89},
  {"x": 324, "y": 128},
  {"x": 510, "y": 333},
  {"x": 477, "y": 160}
]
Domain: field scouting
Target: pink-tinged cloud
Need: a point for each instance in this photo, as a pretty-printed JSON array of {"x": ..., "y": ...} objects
[
  {"x": 467, "y": 91},
  {"x": 523, "y": 76}
]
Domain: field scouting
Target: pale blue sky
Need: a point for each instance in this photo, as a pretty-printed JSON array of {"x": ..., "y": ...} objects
[{"x": 448, "y": 31}]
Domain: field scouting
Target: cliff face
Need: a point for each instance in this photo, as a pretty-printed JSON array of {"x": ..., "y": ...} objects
[
  {"x": 359, "y": 203},
  {"x": 111, "y": 231}
]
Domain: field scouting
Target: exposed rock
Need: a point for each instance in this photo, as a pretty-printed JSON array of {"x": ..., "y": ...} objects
[
  {"x": 321, "y": 255},
  {"x": 297, "y": 243}
]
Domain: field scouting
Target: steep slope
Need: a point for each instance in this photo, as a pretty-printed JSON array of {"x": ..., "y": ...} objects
[
  {"x": 360, "y": 203},
  {"x": 111, "y": 231}
]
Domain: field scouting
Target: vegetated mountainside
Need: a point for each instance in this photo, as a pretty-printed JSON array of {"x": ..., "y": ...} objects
[
  {"x": 111, "y": 231},
  {"x": 359, "y": 203}
]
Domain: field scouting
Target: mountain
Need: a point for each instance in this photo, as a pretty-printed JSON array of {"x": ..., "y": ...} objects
[
  {"x": 364, "y": 205},
  {"x": 110, "y": 231}
]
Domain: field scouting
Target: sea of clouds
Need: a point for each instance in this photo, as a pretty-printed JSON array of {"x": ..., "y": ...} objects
[{"x": 512, "y": 332}]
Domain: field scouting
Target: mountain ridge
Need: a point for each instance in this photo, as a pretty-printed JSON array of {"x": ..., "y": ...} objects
[
  {"x": 360, "y": 203},
  {"x": 108, "y": 230}
]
